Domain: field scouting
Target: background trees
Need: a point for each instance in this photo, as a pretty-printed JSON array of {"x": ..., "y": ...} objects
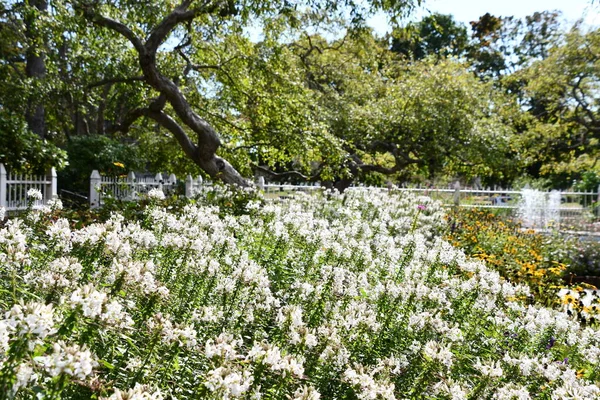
[
  {"x": 562, "y": 96},
  {"x": 184, "y": 85}
]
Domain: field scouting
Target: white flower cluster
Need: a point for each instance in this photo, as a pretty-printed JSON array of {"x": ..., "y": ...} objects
[
  {"x": 272, "y": 357},
  {"x": 139, "y": 392},
  {"x": 68, "y": 359},
  {"x": 156, "y": 193},
  {"x": 369, "y": 387},
  {"x": 34, "y": 194},
  {"x": 31, "y": 319},
  {"x": 326, "y": 296},
  {"x": 60, "y": 273},
  {"x": 95, "y": 304},
  {"x": 228, "y": 383}
]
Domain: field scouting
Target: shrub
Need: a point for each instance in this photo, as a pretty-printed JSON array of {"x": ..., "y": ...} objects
[{"x": 87, "y": 153}]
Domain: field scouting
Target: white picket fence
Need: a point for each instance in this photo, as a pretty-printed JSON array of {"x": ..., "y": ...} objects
[
  {"x": 282, "y": 190},
  {"x": 128, "y": 188},
  {"x": 14, "y": 188},
  {"x": 132, "y": 188},
  {"x": 568, "y": 208},
  {"x": 573, "y": 210}
]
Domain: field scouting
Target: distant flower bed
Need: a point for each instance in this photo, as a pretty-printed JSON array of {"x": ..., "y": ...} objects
[
  {"x": 549, "y": 265},
  {"x": 333, "y": 297}
]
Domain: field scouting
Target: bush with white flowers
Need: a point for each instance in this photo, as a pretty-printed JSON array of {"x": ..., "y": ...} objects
[{"x": 353, "y": 296}]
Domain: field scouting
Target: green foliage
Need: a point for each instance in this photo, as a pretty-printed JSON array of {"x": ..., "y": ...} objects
[
  {"x": 436, "y": 35},
  {"x": 562, "y": 140},
  {"x": 87, "y": 153},
  {"x": 348, "y": 108},
  {"x": 23, "y": 151},
  {"x": 590, "y": 181},
  {"x": 351, "y": 107}
]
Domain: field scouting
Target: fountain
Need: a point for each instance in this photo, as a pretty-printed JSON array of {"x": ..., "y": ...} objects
[{"x": 539, "y": 210}]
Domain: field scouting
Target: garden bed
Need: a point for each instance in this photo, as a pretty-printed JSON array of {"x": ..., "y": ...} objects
[{"x": 346, "y": 297}]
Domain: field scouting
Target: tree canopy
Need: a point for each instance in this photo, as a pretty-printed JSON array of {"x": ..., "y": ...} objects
[{"x": 311, "y": 94}]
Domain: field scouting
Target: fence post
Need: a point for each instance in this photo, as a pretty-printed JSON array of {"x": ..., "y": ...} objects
[
  {"x": 95, "y": 182},
  {"x": 189, "y": 186},
  {"x": 51, "y": 189},
  {"x": 159, "y": 179},
  {"x": 457, "y": 194},
  {"x": 3, "y": 186},
  {"x": 200, "y": 183},
  {"x": 131, "y": 189},
  {"x": 260, "y": 182}
]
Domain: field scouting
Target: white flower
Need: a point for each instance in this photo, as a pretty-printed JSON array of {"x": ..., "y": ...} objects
[
  {"x": 436, "y": 351},
  {"x": 306, "y": 393},
  {"x": 139, "y": 392},
  {"x": 229, "y": 383},
  {"x": 493, "y": 369},
  {"x": 368, "y": 387},
  {"x": 25, "y": 376},
  {"x": 2, "y": 213},
  {"x": 55, "y": 204},
  {"x": 33, "y": 318},
  {"x": 156, "y": 193},
  {"x": 223, "y": 346},
  {"x": 89, "y": 299},
  {"x": 4, "y": 336},
  {"x": 34, "y": 194},
  {"x": 70, "y": 360}
]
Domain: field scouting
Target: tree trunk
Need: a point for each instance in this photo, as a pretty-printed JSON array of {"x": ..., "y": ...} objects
[
  {"x": 203, "y": 153},
  {"x": 35, "y": 68},
  {"x": 342, "y": 184}
]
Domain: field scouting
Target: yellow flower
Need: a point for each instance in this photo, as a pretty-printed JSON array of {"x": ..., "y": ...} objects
[
  {"x": 119, "y": 164},
  {"x": 568, "y": 299}
]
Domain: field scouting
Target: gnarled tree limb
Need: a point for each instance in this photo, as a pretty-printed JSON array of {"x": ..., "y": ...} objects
[{"x": 203, "y": 153}]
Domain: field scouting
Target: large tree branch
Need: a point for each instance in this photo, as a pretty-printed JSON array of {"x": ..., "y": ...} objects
[
  {"x": 581, "y": 99},
  {"x": 91, "y": 14},
  {"x": 157, "y": 105},
  {"x": 109, "y": 81},
  {"x": 204, "y": 152},
  {"x": 208, "y": 140},
  {"x": 180, "y": 14},
  {"x": 215, "y": 166},
  {"x": 129, "y": 119},
  {"x": 164, "y": 28},
  {"x": 172, "y": 126}
]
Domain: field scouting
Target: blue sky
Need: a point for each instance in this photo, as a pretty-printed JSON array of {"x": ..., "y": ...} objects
[{"x": 470, "y": 10}]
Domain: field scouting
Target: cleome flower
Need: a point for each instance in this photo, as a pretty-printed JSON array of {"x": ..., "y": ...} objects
[
  {"x": 34, "y": 194},
  {"x": 139, "y": 392},
  {"x": 66, "y": 359},
  {"x": 35, "y": 319}
]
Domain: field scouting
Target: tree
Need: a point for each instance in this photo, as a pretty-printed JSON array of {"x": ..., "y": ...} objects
[
  {"x": 563, "y": 139},
  {"x": 24, "y": 144},
  {"x": 372, "y": 112},
  {"x": 502, "y": 45},
  {"x": 35, "y": 67},
  {"x": 159, "y": 37},
  {"x": 436, "y": 34}
]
